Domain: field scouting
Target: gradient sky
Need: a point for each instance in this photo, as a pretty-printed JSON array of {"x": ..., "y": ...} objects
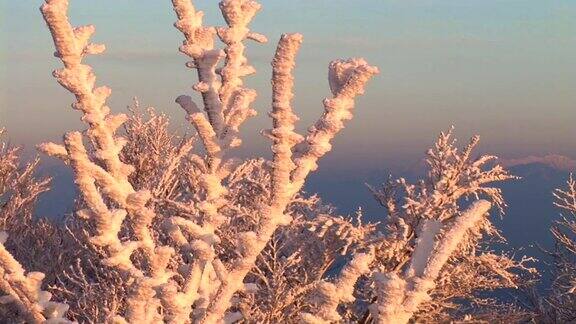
[{"x": 504, "y": 69}]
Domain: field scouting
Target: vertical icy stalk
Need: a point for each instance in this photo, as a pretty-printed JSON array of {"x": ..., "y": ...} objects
[
  {"x": 283, "y": 119},
  {"x": 199, "y": 45},
  {"x": 226, "y": 102},
  {"x": 109, "y": 181},
  {"x": 227, "y": 105},
  {"x": 72, "y": 45},
  {"x": 347, "y": 80},
  {"x": 284, "y": 139},
  {"x": 238, "y": 15}
]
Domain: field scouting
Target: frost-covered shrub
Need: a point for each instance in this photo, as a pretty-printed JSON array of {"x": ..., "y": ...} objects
[
  {"x": 559, "y": 304},
  {"x": 173, "y": 229},
  {"x": 445, "y": 206},
  {"x": 33, "y": 242}
]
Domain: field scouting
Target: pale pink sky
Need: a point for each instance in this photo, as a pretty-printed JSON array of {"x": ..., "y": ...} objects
[{"x": 502, "y": 69}]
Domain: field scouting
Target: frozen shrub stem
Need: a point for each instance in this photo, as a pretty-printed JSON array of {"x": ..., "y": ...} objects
[
  {"x": 227, "y": 106},
  {"x": 330, "y": 295},
  {"x": 347, "y": 80},
  {"x": 560, "y": 305},
  {"x": 24, "y": 290},
  {"x": 108, "y": 180},
  {"x": 399, "y": 297}
]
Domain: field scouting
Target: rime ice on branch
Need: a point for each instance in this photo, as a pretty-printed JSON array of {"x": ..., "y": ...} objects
[
  {"x": 420, "y": 250},
  {"x": 226, "y": 101},
  {"x": 560, "y": 305},
  {"x": 226, "y": 104},
  {"x": 399, "y": 297},
  {"x": 100, "y": 174},
  {"x": 24, "y": 291},
  {"x": 113, "y": 203},
  {"x": 330, "y": 295}
]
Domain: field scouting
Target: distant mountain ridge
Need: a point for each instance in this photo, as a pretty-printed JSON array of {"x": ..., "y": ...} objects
[
  {"x": 556, "y": 161},
  {"x": 529, "y": 214}
]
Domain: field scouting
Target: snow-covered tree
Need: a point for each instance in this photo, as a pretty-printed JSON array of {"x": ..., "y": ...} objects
[
  {"x": 22, "y": 291},
  {"x": 559, "y": 306},
  {"x": 432, "y": 262},
  {"x": 167, "y": 233},
  {"x": 112, "y": 202}
]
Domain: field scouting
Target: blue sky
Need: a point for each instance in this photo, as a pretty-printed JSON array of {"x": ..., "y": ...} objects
[{"x": 501, "y": 68}]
